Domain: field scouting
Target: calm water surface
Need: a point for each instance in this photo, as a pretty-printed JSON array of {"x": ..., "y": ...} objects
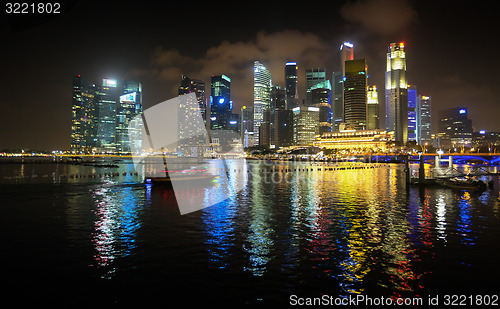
[{"x": 113, "y": 240}]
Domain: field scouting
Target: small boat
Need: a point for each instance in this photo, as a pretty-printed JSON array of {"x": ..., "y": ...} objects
[
  {"x": 463, "y": 183},
  {"x": 191, "y": 179}
]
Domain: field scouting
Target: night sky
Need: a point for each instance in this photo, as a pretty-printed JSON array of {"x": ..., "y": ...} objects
[{"x": 451, "y": 49}]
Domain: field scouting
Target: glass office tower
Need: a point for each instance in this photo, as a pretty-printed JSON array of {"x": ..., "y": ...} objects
[
  {"x": 220, "y": 102},
  {"x": 129, "y": 106},
  {"x": 292, "y": 98},
  {"x": 355, "y": 83},
  {"x": 313, "y": 77},
  {"x": 262, "y": 83},
  {"x": 106, "y": 116}
]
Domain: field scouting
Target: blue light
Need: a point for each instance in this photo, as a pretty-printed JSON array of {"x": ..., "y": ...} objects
[
  {"x": 462, "y": 111},
  {"x": 221, "y": 100}
]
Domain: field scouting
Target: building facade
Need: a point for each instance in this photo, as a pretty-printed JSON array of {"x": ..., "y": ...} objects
[
  {"x": 305, "y": 125},
  {"x": 366, "y": 141}
]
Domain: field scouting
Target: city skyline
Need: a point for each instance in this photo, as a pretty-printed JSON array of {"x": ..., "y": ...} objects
[{"x": 437, "y": 65}]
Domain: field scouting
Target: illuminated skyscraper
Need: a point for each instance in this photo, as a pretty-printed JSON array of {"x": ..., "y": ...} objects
[
  {"x": 355, "y": 94},
  {"x": 321, "y": 98},
  {"x": 372, "y": 111},
  {"x": 346, "y": 54},
  {"x": 106, "y": 116},
  {"x": 220, "y": 102},
  {"x": 292, "y": 99},
  {"x": 396, "y": 93},
  {"x": 313, "y": 77},
  {"x": 129, "y": 106},
  {"x": 281, "y": 119},
  {"x": 412, "y": 113},
  {"x": 83, "y": 113},
  {"x": 262, "y": 82},
  {"x": 424, "y": 119}
]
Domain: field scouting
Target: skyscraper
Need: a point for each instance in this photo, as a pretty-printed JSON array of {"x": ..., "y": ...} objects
[
  {"x": 262, "y": 82},
  {"x": 281, "y": 119},
  {"x": 355, "y": 94},
  {"x": 292, "y": 99},
  {"x": 424, "y": 119},
  {"x": 189, "y": 85},
  {"x": 372, "y": 110},
  {"x": 220, "y": 102},
  {"x": 313, "y": 77},
  {"x": 321, "y": 98},
  {"x": 456, "y": 127},
  {"x": 412, "y": 113},
  {"x": 83, "y": 115},
  {"x": 346, "y": 54},
  {"x": 396, "y": 93},
  {"x": 106, "y": 116},
  {"x": 129, "y": 106},
  {"x": 246, "y": 126}
]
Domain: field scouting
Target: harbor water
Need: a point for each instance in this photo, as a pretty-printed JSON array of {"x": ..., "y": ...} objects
[{"x": 98, "y": 236}]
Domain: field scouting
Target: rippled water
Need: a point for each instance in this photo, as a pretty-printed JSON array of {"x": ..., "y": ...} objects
[{"x": 113, "y": 240}]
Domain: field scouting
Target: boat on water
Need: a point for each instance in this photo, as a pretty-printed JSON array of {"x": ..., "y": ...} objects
[
  {"x": 189, "y": 179},
  {"x": 463, "y": 183}
]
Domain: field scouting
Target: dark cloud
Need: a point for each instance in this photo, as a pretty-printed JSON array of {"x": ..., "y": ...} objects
[
  {"x": 235, "y": 59},
  {"x": 383, "y": 17}
]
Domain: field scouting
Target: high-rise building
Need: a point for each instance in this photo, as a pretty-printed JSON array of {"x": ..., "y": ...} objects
[
  {"x": 220, "y": 102},
  {"x": 424, "y": 119},
  {"x": 292, "y": 98},
  {"x": 313, "y": 77},
  {"x": 305, "y": 125},
  {"x": 106, "y": 116},
  {"x": 281, "y": 129},
  {"x": 396, "y": 92},
  {"x": 83, "y": 114},
  {"x": 456, "y": 128},
  {"x": 129, "y": 106},
  {"x": 412, "y": 113},
  {"x": 337, "y": 99},
  {"x": 189, "y": 85},
  {"x": 355, "y": 83},
  {"x": 346, "y": 54},
  {"x": 372, "y": 109},
  {"x": 321, "y": 98},
  {"x": 246, "y": 126},
  {"x": 262, "y": 82}
]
